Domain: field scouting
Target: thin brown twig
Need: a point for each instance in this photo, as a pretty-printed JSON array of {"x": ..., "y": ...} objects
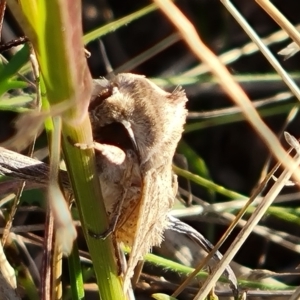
[
  {"x": 2, "y": 12},
  {"x": 13, "y": 43},
  {"x": 280, "y": 19}
]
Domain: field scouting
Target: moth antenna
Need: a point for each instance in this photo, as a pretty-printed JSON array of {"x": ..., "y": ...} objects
[{"x": 108, "y": 67}]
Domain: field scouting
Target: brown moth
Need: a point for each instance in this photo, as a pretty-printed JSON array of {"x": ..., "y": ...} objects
[{"x": 136, "y": 128}]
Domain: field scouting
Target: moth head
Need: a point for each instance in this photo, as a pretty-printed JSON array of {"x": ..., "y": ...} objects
[
  {"x": 110, "y": 113},
  {"x": 152, "y": 117},
  {"x": 114, "y": 100}
]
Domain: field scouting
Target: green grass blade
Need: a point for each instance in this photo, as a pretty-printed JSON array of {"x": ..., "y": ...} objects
[
  {"x": 112, "y": 26},
  {"x": 76, "y": 280},
  {"x": 57, "y": 39}
]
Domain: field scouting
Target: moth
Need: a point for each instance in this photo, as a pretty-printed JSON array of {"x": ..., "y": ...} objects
[{"x": 136, "y": 129}]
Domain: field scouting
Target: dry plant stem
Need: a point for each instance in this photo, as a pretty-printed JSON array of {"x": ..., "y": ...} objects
[
  {"x": 291, "y": 116},
  {"x": 45, "y": 289},
  {"x": 226, "y": 234},
  {"x": 16, "y": 200},
  {"x": 8, "y": 281},
  {"x": 191, "y": 37},
  {"x": 296, "y": 294},
  {"x": 56, "y": 274},
  {"x": 13, "y": 211},
  {"x": 193, "y": 115},
  {"x": 280, "y": 19},
  {"x": 59, "y": 216},
  {"x": 265, "y": 51},
  {"x": 2, "y": 11},
  {"x": 65, "y": 230},
  {"x": 246, "y": 49},
  {"x": 246, "y": 230}
]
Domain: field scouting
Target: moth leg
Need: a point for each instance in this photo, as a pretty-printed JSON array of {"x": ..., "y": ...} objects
[
  {"x": 120, "y": 257},
  {"x": 112, "y": 224}
]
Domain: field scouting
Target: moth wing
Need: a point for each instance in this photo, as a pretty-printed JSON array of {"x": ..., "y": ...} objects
[{"x": 156, "y": 200}]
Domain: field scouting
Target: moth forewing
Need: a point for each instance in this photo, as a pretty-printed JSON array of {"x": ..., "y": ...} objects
[
  {"x": 155, "y": 120},
  {"x": 156, "y": 200}
]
